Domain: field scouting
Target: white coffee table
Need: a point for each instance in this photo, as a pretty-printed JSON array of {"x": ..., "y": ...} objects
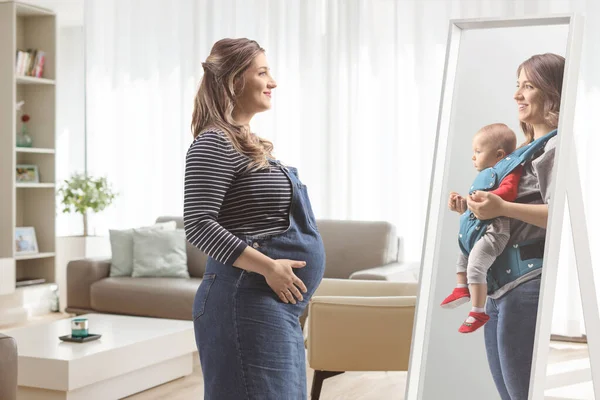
[{"x": 133, "y": 354}]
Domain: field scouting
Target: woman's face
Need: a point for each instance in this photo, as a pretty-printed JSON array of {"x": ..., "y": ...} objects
[
  {"x": 530, "y": 101},
  {"x": 256, "y": 94}
]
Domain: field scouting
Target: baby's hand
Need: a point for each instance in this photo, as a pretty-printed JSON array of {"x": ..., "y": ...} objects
[
  {"x": 457, "y": 203},
  {"x": 452, "y": 201}
]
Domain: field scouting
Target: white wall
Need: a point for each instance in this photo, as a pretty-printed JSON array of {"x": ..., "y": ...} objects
[
  {"x": 70, "y": 118},
  {"x": 456, "y": 364}
]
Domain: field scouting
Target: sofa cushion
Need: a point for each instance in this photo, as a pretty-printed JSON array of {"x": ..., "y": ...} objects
[
  {"x": 395, "y": 272},
  {"x": 352, "y": 246},
  {"x": 196, "y": 258},
  {"x": 159, "y": 253},
  {"x": 167, "y": 218},
  {"x": 149, "y": 297},
  {"x": 121, "y": 246}
]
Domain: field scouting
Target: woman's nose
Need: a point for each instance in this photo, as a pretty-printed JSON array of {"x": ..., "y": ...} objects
[
  {"x": 272, "y": 84},
  {"x": 518, "y": 95}
]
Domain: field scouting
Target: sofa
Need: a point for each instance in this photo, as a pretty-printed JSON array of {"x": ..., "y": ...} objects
[
  {"x": 8, "y": 368},
  {"x": 354, "y": 250}
]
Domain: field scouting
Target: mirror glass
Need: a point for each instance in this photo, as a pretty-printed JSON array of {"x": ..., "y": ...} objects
[{"x": 483, "y": 82}]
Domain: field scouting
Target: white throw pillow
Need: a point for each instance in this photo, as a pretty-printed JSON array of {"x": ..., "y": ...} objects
[
  {"x": 121, "y": 245},
  {"x": 159, "y": 253}
]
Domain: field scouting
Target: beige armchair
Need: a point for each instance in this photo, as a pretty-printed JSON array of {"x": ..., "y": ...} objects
[{"x": 358, "y": 325}]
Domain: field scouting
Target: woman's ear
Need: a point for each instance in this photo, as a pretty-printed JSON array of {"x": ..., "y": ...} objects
[{"x": 238, "y": 85}]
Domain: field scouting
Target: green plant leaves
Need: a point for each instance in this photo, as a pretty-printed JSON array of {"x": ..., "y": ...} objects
[{"x": 82, "y": 193}]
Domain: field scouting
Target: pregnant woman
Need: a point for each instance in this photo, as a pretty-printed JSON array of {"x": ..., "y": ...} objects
[{"x": 252, "y": 216}]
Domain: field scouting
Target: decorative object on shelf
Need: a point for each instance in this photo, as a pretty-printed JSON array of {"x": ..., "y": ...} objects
[
  {"x": 55, "y": 300},
  {"x": 25, "y": 241},
  {"x": 27, "y": 173},
  {"x": 23, "y": 137},
  {"x": 82, "y": 193}
]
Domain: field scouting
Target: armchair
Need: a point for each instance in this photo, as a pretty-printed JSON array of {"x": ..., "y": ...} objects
[{"x": 359, "y": 326}]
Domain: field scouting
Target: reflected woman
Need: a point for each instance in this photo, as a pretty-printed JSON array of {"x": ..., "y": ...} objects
[{"x": 512, "y": 305}]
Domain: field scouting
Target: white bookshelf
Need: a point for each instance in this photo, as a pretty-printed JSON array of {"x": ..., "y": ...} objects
[
  {"x": 34, "y": 150},
  {"x": 30, "y": 80},
  {"x": 24, "y": 27},
  {"x": 35, "y": 185}
]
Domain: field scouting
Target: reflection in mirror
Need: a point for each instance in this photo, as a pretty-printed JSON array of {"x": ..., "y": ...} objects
[{"x": 486, "y": 228}]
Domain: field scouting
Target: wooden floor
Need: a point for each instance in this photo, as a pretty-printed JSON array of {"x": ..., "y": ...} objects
[
  {"x": 347, "y": 386},
  {"x": 351, "y": 385}
]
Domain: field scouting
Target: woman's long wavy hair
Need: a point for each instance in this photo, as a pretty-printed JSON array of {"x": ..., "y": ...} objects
[
  {"x": 545, "y": 72},
  {"x": 222, "y": 82}
]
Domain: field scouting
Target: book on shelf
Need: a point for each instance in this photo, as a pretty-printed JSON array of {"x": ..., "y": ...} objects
[{"x": 30, "y": 63}]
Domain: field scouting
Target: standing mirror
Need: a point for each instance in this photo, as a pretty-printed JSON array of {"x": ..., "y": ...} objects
[{"x": 481, "y": 87}]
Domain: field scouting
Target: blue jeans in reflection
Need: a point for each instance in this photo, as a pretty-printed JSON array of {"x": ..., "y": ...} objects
[{"x": 509, "y": 338}]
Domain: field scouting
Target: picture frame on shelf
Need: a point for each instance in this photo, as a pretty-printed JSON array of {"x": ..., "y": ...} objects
[
  {"x": 27, "y": 173},
  {"x": 25, "y": 240}
]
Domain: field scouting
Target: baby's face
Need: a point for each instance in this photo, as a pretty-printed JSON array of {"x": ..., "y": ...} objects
[{"x": 485, "y": 154}]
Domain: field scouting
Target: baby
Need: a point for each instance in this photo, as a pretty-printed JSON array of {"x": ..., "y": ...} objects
[{"x": 491, "y": 144}]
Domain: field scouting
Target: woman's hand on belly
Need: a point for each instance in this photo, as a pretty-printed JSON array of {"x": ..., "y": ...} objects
[
  {"x": 279, "y": 274},
  {"x": 282, "y": 280}
]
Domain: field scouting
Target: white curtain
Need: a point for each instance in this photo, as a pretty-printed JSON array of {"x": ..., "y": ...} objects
[{"x": 356, "y": 108}]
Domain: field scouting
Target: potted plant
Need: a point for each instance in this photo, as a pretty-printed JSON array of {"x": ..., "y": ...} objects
[{"x": 82, "y": 193}]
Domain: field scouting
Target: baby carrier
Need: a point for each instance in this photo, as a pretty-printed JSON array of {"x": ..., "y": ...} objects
[{"x": 516, "y": 260}]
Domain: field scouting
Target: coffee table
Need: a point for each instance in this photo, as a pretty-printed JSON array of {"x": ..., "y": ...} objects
[{"x": 133, "y": 354}]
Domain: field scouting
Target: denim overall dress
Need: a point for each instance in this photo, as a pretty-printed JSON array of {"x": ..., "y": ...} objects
[{"x": 250, "y": 342}]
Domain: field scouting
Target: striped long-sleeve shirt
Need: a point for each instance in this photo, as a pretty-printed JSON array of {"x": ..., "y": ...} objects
[{"x": 223, "y": 200}]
